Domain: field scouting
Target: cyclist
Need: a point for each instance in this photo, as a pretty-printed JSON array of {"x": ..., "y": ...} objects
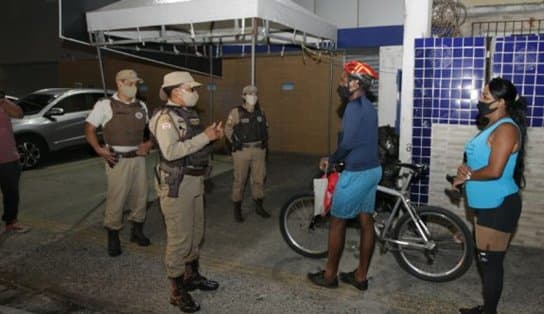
[
  {"x": 492, "y": 176},
  {"x": 355, "y": 193}
]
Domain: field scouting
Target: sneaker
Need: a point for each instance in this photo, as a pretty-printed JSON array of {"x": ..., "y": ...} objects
[
  {"x": 349, "y": 278},
  {"x": 319, "y": 279},
  {"x": 17, "y": 228}
]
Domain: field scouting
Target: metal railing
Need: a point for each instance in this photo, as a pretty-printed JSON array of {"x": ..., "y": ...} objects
[{"x": 506, "y": 28}]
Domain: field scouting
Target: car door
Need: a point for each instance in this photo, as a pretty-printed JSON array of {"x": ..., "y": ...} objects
[{"x": 68, "y": 128}]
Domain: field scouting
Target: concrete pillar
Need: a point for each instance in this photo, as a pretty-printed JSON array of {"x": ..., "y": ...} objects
[
  {"x": 417, "y": 24},
  {"x": 390, "y": 63}
]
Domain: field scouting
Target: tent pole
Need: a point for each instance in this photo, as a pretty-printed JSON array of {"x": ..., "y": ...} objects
[
  {"x": 101, "y": 65},
  {"x": 329, "y": 120},
  {"x": 253, "y": 43}
]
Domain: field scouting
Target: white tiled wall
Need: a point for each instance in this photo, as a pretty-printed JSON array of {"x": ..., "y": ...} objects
[{"x": 446, "y": 155}]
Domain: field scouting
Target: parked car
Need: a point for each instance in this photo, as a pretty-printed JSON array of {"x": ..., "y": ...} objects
[{"x": 54, "y": 119}]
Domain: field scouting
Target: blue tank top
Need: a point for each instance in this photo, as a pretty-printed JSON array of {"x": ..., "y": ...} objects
[{"x": 489, "y": 194}]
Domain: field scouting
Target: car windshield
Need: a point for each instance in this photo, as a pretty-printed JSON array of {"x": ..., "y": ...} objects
[{"x": 34, "y": 103}]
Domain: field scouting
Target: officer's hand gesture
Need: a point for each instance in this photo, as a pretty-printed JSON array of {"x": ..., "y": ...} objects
[{"x": 214, "y": 131}]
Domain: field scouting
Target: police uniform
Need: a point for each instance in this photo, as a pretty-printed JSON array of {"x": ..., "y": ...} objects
[
  {"x": 184, "y": 155},
  {"x": 183, "y": 164},
  {"x": 123, "y": 128},
  {"x": 248, "y": 133}
]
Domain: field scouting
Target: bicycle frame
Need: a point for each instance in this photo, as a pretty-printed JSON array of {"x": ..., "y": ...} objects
[{"x": 403, "y": 202}]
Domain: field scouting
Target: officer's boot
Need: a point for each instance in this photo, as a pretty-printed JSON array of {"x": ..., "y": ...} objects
[
  {"x": 180, "y": 297},
  {"x": 114, "y": 245},
  {"x": 238, "y": 212},
  {"x": 194, "y": 280},
  {"x": 259, "y": 208},
  {"x": 137, "y": 234}
]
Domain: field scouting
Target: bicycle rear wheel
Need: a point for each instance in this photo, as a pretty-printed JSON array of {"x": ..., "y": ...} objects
[
  {"x": 452, "y": 254},
  {"x": 305, "y": 234}
]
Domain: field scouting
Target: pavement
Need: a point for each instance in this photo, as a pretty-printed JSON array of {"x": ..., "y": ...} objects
[{"x": 61, "y": 265}]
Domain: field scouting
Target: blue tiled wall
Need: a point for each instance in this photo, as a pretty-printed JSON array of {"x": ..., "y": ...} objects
[
  {"x": 521, "y": 60},
  {"x": 449, "y": 74}
]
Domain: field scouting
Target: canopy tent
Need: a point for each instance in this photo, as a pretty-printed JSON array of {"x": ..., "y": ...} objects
[
  {"x": 205, "y": 24},
  {"x": 208, "y": 22}
]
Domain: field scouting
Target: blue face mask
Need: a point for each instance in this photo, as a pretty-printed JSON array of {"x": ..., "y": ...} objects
[{"x": 483, "y": 108}]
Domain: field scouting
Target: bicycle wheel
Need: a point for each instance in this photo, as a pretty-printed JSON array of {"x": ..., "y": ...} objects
[
  {"x": 304, "y": 233},
  {"x": 451, "y": 256}
]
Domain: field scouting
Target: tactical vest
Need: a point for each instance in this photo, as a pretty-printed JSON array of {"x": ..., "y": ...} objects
[
  {"x": 199, "y": 159},
  {"x": 252, "y": 126},
  {"x": 127, "y": 124}
]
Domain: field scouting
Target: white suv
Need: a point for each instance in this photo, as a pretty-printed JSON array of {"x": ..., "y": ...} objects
[{"x": 54, "y": 119}]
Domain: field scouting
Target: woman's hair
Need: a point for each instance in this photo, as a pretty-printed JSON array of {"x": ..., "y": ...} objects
[{"x": 515, "y": 107}]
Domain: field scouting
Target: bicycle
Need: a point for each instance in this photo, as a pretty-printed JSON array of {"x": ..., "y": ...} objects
[{"x": 429, "y": 242}]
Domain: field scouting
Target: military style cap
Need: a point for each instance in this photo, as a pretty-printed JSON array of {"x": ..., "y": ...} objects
[
  {"x": 177, "y": 78},
  {"x": 128, "y": 75},
  {"x": 249, "y": 89}
]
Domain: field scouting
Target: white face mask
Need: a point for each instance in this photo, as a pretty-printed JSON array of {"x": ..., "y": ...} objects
[
  {"x": 128, "y": 91},
  {"x": 251, "y": 99},
  {"x": 189, "y": 98}
]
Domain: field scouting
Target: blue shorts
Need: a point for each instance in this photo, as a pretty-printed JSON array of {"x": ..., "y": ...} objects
[{"x": 355, "y": 193}]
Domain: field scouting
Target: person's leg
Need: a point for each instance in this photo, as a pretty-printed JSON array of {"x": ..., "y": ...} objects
[
  {"x": 116, "y": 194},
  {"x": 337, "y": 237},
  {"x": 241, "y": 162},
  {"x": 491, "y": 245},
  {"x": 366, "y": 246},
  {"x": 137, "y": 200},
  {"x": 258, "y": 173},
  {"x": 10, "y": 174}
]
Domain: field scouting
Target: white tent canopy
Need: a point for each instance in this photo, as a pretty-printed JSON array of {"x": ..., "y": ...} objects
[{"x": 200, "y": 22}]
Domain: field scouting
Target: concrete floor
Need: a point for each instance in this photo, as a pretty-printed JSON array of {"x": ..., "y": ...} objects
[{"x": 61, "y": 266}]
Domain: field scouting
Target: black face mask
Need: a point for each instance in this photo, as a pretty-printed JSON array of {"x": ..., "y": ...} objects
[
  {"x": 344, "y": 93},
  {"x": 483, "y": 108}
]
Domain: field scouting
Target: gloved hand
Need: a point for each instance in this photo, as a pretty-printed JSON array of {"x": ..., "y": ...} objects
[{"x": 264, "y": 144}]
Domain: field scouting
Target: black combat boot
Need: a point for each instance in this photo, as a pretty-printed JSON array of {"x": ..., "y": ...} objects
[
  {"x": 259, "y": 208},
  {"x": 238, "y": 212},
  {"x": 194, "y": 280},
  {"x": 137, "y": 234},
  {"x": 114, "y": 245},
  {"x": 180, "y": 297}
]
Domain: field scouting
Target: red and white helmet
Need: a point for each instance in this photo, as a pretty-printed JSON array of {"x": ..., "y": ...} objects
[{"x": 360, "y": 70}]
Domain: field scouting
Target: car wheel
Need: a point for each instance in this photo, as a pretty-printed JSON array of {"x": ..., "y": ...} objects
[{"x": 32, "y": 150}]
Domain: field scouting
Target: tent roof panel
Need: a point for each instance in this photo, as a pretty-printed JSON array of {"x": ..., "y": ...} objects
[{"x": 136, "y": 14}]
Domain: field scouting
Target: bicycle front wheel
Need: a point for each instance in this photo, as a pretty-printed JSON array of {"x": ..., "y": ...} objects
[
  {"x": 305, "y": 234},
  {"x": 453, "y": 248}
]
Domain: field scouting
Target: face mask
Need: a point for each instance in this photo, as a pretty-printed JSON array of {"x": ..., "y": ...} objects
[
  {"x": 251, "y": 99},
  {"x": 128, "y": 91},
  {"x": 344, "y": 93},
  {"x": 189, "y": 98},
  {"x": 483, "y": 108}
]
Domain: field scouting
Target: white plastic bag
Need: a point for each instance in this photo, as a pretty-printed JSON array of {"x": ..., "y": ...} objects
[{"x": 320, "y": 188}]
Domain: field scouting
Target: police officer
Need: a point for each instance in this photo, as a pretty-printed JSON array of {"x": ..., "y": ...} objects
[
  {"x": 123, "y": 119},
  {"x": 247, "y": 131},
  {"x": 184, "y": 161}
]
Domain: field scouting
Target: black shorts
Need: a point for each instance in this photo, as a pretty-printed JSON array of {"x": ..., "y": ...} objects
[{"x": 503, "y": 218}]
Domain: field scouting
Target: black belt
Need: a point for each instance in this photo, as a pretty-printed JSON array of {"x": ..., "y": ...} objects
[
  {"x": 195, "y": 171},
  {"x": 130, "y": 154},
  {"x": 256, "y": 144}
]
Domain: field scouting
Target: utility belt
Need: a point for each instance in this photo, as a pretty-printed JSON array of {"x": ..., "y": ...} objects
[
  {"x": 174, "y": 176},
  {"x": 252, "y": 144},
  {"x": 130, "y": 154}
]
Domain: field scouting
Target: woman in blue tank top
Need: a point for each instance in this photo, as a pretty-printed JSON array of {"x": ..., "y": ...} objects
[{"x": 493, "y": 175}]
